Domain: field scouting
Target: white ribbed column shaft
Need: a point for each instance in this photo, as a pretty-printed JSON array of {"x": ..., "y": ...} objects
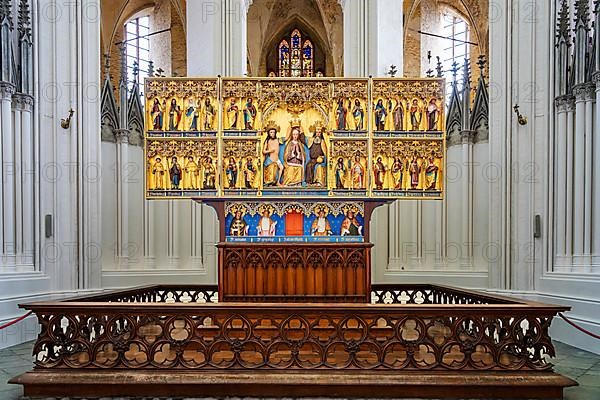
[
  {"x": 569, "y": 179},
  {"x": 8, "y": 174},
  {"x": 18, "y": 179},
  {"x": 123, "y": 245},
  {"x": 590, "y": 98},
  {"x": 596, "y": 177},
  {"x": 579, "y": 171},
  {"x": 561, "y": 174},
  {"x": 467, "y": 197},
  {"x": 28, "y": 181}
]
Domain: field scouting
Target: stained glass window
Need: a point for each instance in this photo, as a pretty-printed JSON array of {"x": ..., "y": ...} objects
[{"x": 296, "y": 57}]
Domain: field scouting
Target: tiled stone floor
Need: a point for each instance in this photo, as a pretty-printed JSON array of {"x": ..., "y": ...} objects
[{"x": 577, "y": 364}]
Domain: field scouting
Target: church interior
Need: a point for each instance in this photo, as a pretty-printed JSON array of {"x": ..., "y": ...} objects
[{"x": 300, "y": 198}]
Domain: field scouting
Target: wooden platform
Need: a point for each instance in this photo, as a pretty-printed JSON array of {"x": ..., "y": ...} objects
[
  {"x": 294, "y": 384},
  {"x": 420, "y": 341}
]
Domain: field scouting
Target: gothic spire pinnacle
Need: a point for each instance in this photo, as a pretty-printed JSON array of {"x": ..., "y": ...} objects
[
  {"x": 562, "y": 25},
  {"x": 6, "y": 13},
  {"x": 454, "y": 70},
  {"x": 481, "y": 61},
  {"x": 439, "y": 68},
  {"x": 24, "y": 19},
  {"x": 466, "y": 73},
  {"x": 150, "y": 68},
  {"x": 582, "y": 14}
]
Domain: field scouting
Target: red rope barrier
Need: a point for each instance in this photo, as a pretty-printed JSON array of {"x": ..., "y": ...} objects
[
  {"x": 11, "y": 323},
  {"x": 574, "y": 325}
]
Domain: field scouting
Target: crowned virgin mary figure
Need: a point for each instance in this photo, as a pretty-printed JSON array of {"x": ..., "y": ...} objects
[{"x": 294, "y": 156}]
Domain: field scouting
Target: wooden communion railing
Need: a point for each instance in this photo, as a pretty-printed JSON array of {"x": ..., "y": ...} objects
[{"x": 413, "y": 340}]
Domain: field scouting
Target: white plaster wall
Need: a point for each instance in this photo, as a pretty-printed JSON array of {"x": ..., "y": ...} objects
[
  {"x": 526, "y": 268},
  {"x": 66, "y": 74}
]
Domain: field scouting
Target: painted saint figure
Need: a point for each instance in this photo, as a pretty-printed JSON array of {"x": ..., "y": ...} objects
[
  {"x": 414, "y": 170},
  {"x": 192, "y": 112},
  {"x": 238, "y": 226},
  {"x": 358, "y": 174},
  {"x": 294, "y": 157},
  {"x": 351, "y": 226},
  {"x": 379, "y": 172},
  {"x": 398, "y": 115},
  {"x": 432, "y": 115},
  {"x": 232, "y": 173},
  {"x": 341, "y": 115},
  {"x": 250, "y": 174},
  {"x": 340, "y": 174},
  {"x": 232, "y": 114},
  {"x": 398, "y": 173},
  {"x": 175, "y": 172},
  {"x": 209, "y": 174},
  {"x": 157, "y": 115},
  {"x": 209, "y": 115},
  {"x": 321, "y": 226},
  {"x": 415, "y": 115},
  {"x": 249, "y": 114},
  {"x": 380, "y": 114},
  {"x": 158, "y": 171},
  {"x": 359, "y": 115},
  {"x": 266, "y": 226},
  {"x": 317, "y": 152},
  {"x": 273, "y": 168},
  {"x": 191, "y": 174},
  {"x": 431, "y": 175},
  {"x": 174, "y": 115}
]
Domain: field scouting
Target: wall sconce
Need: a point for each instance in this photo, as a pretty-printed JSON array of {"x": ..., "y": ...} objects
[
  {"x": 520, "y": 117},
  {"x": 65, "y": 123}
]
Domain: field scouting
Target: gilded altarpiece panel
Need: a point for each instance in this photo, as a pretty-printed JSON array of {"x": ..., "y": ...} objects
[{"x": 310, "y": 138}]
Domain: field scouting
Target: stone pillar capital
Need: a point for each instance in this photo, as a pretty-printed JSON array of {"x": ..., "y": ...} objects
[
  {"x": 468, "y": 136},
  {"x": 7, "y": 89},
  {"x": 22, "y": 101},
  {"x": 565, "y": 103},
  {"x": 122, "y": 136}
]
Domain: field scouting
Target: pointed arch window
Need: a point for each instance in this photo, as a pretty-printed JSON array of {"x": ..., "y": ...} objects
[
  {"x": 456, "y": 49},
  {"x": 296, "y": 56},
  {"x": 137, "y": 48}
]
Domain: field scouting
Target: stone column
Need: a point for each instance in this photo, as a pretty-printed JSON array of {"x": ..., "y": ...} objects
[
  {"x": 216, "y": 37},
  {"x": 569, "y": 180},
  {"x": 356, "y": 37},
  {"x": 369, "y": 29},
  {"x": 23, "y": 160},
  {"x": 590, "y": 99},
  {"x": 579, "y": 173},
  {"x": 467, "y": 137},
  {"x": 24, "y": 106},
  {"x": 390, "y": 28},
  {"x": 8, "y": 174},
  {"x": 122, "y": 136},
  {"x": 596, "y": 176},
  {"x": 561, "y": 176}
]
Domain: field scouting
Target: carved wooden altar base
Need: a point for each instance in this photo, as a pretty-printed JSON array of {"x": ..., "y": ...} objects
[
  {"x": 295, "y": 272},
  {"x": 413, "y": 341}
]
